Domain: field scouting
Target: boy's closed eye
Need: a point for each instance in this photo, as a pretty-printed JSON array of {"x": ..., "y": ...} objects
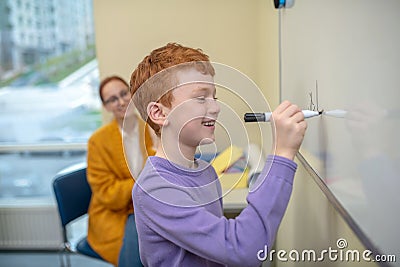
[
  {"x": 201, "y": 98},
  {"x": 204, "y": 98}
]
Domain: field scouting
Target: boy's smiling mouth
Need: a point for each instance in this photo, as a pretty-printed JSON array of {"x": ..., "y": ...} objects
[{"x": 209, "y": 123}]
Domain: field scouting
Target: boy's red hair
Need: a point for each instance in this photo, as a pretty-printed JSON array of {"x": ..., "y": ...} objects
[{"x": 158, "y": 60}]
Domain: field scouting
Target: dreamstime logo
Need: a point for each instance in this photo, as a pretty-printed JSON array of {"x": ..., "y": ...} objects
[
  {"x": 341, "y": 243},
  {"x": 331, "y": 254}
]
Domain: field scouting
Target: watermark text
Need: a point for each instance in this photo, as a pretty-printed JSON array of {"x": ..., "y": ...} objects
[{"x": 340, "y": 253}]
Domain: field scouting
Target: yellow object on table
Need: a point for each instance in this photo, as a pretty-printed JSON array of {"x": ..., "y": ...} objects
[
  {"x": 234, "y": 179},
  {"x": 223, "y": 162}
]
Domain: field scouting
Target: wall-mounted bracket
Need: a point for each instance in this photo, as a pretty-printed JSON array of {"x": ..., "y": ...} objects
[{"x": 283, "y": 3}]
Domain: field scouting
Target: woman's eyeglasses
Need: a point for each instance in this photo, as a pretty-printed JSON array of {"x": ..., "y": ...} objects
[{"x": 124, "y": 94}]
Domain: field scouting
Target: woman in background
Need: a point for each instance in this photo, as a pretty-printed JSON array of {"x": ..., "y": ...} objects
[{"x": 109, "y": 176}]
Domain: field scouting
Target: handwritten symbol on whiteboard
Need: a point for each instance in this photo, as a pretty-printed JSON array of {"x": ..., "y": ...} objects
[{"x": 313, "y": 106}]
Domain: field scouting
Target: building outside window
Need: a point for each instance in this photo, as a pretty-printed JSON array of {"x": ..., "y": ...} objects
[{"x": 49, "y": 103}]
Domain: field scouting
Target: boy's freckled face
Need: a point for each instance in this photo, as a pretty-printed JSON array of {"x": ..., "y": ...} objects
[{"x": 194, "y": 109}]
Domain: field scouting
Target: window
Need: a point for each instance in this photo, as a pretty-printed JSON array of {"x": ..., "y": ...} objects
[{"x": 49, "y": 104}]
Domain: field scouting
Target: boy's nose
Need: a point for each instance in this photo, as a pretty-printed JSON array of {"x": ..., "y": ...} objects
[{"x": 214, "y": 107}]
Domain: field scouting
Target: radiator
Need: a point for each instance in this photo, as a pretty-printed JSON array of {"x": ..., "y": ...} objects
[{"x": 30, "y": 228}]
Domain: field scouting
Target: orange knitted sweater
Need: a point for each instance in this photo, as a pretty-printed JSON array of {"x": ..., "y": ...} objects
[{"x": 111, "y": 183}]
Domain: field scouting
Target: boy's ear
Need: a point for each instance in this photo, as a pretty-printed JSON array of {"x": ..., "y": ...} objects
[{"x": 157, "y": 113}]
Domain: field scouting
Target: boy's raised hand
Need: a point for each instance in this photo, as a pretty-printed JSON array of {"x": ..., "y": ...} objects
[{"x": 288, "y": 127}]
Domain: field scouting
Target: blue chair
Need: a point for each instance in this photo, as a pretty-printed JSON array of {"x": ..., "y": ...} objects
[{"x": 73, "y": 194}]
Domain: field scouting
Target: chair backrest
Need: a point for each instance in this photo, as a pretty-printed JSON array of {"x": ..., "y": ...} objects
[{"x": 72, "y": 193}]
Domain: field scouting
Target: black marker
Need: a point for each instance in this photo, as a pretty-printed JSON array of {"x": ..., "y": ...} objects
[{"x": 265, "y": 117}]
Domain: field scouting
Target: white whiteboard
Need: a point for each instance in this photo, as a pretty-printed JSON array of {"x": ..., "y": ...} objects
[{"x": 352, "y": 50}]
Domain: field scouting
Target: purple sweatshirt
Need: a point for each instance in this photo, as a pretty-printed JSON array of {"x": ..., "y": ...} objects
[{"x": 179, "y": 214}]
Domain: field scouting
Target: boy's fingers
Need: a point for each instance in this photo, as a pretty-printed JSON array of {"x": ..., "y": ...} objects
[
  {"x": 303, "y": 124},
  {"x": 282, "y": 107},
  {"x": 298, "y": 116},
  {"x": 292, "y": 110}
]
